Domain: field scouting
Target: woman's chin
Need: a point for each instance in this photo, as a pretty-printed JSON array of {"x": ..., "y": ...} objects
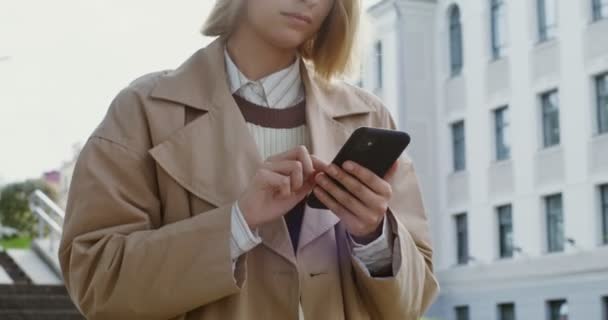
[{"x": 288, "y": 40}]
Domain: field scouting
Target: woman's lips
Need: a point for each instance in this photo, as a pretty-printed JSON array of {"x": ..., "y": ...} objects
[{"x": 299, "y": 17}]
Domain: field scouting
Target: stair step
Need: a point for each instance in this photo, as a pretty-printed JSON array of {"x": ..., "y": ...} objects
[
  {"x": 13, "y": 270},
  {"x": 40, "y": 315},
  {"x": 32, "y": 289},
  {"x": 35, "y": 267},
  {"x": 35, "y": 302},
  {"x": 49, "y": 302}
]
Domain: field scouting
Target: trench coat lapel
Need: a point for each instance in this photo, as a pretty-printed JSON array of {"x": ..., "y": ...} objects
[{"x": 214, "y": 156}]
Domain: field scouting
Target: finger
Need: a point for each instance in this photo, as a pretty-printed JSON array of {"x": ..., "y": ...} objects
[
  {"x": 304, "y": 191},
  {"x": 304, "y": 157},
  {"x": 368, "y": 197},
  {"x": 390, "y": 175},
  {"x": 345, "y": 199},
  {"x": 299, "y": 153},
  {"x": 278, "y": 182},
  {"x": 290, "y": 168},
  {"x": 280, "y": 156},
  {"x": 353, "y": 225},
  {"x": 318, "y": 164},
  {"x": 370, "y": 179}
]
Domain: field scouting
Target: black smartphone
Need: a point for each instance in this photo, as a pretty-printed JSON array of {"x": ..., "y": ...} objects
[{"x": 373, "y": 148}]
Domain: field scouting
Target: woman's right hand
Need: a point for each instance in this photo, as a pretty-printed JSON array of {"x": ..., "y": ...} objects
[{"x": 279, "y": 184}]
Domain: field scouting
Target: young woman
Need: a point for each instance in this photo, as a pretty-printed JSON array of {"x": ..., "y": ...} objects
[{"x": 188, "y": 201}]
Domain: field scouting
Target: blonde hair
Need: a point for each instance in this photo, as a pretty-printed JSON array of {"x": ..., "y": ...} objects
[{"x": 330, "y": 51}]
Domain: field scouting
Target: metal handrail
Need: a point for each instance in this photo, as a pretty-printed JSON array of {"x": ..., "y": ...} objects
[
  {"x": 47, "y": 220},
  {"x": 50, "y": 217},
  {"x": 43, "y": 207},
  {"x": 40, "y": 196}
]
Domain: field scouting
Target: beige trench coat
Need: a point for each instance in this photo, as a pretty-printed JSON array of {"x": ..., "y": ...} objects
[{"x": 147, "y": 230}]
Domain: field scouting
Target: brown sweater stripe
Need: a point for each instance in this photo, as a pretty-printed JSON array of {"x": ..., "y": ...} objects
[{"x": 288, "y": 118}]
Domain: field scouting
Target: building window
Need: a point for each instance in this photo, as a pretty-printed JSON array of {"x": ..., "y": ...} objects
[
  {"x": 604, "y": 211},
  {"x": 600, "y": 9},
  {"x": 461, "y": 312},
  {"x": 555, "y": 223},
  {"x": 550, "y": 114},
  {"x": 547, "y": 19},
  {"x": 501, "y": 121},
  {"x": 462, "y": 238},
  {"x": 506, "y": 311},
  {"x": 378, "y": 51},
  {"x": 605, "y": 300},
  {"x": 458, "y": 146},
  {"x": 498, "y": 27},
  {"x": 601, "y": 83},
  {"x": 557, "y": 310},
  {"x": 455, "y": 41},
  {"x": 505, "y": 231}
]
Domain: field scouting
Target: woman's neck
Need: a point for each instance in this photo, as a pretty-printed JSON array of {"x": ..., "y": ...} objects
[{"x": 254, "y": 57}]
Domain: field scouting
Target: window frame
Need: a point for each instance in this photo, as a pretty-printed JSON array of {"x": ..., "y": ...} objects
[
  {"x": 498, "y": 28},
  {"x": 597, "y": 10},
  {"x": 455, "y": 41},
  {"x": 554, "y": 308},
  {"x": 502, "y": 149},
  {"x": 504, "y": 306},
  {"x": 555, "y": 232},
  {"x": 461, "y": 224},
  {"x": 463, "y": 309},
  {"x": 379, "y": 57},
  {"x": 601, "y": 100},
  {"x": 505, "y": 249},
  {"x": 603, "y": 197},
  {"x": 459, "y": 158},
  {"x": 551, "y": 135},
  {"x": 546, "y": 29}
]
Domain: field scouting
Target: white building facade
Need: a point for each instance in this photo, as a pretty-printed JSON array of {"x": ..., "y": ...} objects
[{"x": 507, "y": 105}]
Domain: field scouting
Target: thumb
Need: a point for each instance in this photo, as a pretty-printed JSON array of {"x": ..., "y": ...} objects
[{"x": 305, "y": 189}]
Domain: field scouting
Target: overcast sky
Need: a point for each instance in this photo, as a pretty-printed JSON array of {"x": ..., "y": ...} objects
[{"x": 69, "y": 58}]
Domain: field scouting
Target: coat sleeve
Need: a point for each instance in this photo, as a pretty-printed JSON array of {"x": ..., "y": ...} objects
[
  {"x": 118, "y": 263},
  {"x": 412, "y": 287}
]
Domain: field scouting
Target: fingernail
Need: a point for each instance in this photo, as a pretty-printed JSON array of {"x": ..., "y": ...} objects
[
  {"x": 348, "y": 165},
  {"x": 332, "y": 170},
  {"x": 319, "y": 178}
]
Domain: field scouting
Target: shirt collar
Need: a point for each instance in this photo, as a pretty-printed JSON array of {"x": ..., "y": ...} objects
[{"x": 275, "y": 86}]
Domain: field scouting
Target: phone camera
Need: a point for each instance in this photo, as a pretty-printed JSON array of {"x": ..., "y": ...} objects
[{"x": 364, "y": 145}]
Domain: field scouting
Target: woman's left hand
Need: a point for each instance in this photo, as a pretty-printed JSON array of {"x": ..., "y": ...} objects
[{"x": 363, "y": 205}]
